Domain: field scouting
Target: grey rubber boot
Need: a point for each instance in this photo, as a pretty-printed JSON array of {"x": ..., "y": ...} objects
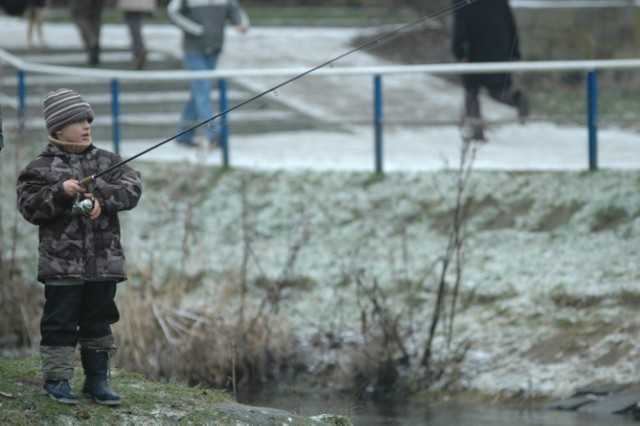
[
  {"x": 57, "y": 370},
  {"x": 96, "y": 368}
]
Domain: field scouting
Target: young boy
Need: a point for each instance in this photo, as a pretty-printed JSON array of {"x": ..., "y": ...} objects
[{"x": 80, "y": 254}]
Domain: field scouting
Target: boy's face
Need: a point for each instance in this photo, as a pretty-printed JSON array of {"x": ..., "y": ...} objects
[{"x": 77, "y": 132}]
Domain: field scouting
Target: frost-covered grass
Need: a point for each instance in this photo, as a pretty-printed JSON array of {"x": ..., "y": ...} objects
[
  {"x": 550, "y": 281},
  {"x": 547, "y": 254}
]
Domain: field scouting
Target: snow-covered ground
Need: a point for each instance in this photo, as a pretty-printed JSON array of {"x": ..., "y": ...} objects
[{"x": 550, "y": 310}]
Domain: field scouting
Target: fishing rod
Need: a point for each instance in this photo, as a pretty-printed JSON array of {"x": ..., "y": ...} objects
[{"x": 378, "y": 40}]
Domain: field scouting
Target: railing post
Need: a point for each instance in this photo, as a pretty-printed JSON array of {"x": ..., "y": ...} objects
[
  {"x": 115, "y": 114},
  {"x": 224, "y": 129},
  {"x": 592, "y": 118},
  {"x": 22, "y": 102},
  {"x": 378, "y": 119}
]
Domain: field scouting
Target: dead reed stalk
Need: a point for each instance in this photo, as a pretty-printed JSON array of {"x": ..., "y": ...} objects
[{"x": 453, "y": 252}]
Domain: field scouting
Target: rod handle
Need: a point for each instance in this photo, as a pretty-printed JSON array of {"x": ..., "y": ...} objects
[{"x": 86, "y": 181}]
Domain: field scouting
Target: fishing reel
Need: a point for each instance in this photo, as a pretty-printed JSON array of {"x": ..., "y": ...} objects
[{"x": 82, "y": 206}]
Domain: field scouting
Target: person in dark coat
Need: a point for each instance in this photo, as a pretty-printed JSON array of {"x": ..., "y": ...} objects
[
  {"x": 486, "y": 31},
  {"x": 13, "y": 7},
  {"x": 81, "y": 258},
  {"x": 87, "y": 15}
]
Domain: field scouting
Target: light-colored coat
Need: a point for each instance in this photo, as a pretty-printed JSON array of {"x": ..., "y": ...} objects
[
  {"x": 137, "y": 5},
  {"x": 203, "y": 21}
]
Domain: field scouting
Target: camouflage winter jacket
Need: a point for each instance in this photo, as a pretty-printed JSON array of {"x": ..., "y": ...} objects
[{"x": 71, "y": 245}]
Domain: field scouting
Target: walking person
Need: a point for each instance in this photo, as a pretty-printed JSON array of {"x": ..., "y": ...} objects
[
  {"x": 87, "y": 15},
  {"x": 80, "y": 253},
  {"x": 202, "y": 23},
  {"x": 134, "y": 11},
  {"x": 35, "y": 17},
  {"x": 486, "y": 31}
]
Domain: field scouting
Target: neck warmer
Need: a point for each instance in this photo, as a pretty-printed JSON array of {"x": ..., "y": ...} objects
[{"x": 73, "y": 147}]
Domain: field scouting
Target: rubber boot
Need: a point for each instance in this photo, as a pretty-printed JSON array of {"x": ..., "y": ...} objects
[
  {"x": 60, "y": 390},
  {"x": 57, "y": 369},
  {"x": 96, "y": 367}
]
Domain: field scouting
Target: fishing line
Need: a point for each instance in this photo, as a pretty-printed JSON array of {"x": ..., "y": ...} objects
[{"x": 367, "y": 45}]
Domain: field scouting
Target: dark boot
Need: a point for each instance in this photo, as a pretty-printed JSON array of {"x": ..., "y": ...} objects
[
  {"x": 59, "y": 390},
  {"x": 57, "y": 370},
  {"x": 473, "y": 130},
  {"x": 139, "y": 60},
  {"x": 96, "y": 367},
  {"x": 522, "y": 104},
  {"x": 94, "y": 55}
]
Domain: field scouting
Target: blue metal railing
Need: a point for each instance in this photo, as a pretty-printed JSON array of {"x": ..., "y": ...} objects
[
  {"x": 592, "y": 118},
  {"x": 22, "y": 101},
  {"x": 115, "y": 114},
  {"x": 378, "y": 120},
  {"x": 378, "y": 117},
  {"x": 224, "y": 131},
  {"x": 589, "y": 66}
]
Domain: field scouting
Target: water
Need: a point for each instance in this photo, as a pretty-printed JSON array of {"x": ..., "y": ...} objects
[
  {"x": 437, "y": 414},
  {"x": 479, "y": 415}
]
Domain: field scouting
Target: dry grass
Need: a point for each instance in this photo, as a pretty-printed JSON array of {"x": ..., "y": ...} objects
[
  {"x": 210, "y": 346},
  {"x": 21, "y": 307},
  {"x": 20, "y": 302}
]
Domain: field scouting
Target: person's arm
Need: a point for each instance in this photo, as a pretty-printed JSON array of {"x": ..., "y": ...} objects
[
  {"x": 238, "y": 16},
  {"x": 174, "y": 12},
  {"x": 244, "y": 22},
  {"x": 40, "y": 201},
  {"x": 460, "y": 39},
  {"x": 119, "y": 190}
]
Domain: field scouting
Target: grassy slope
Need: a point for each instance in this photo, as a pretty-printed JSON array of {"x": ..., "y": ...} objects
[
  {"x": 543, "y": 250},
  {"x": 145, "y": 402}
]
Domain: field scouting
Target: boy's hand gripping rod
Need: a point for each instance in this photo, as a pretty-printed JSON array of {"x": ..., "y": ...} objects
[{"x": 378, "y": 40}]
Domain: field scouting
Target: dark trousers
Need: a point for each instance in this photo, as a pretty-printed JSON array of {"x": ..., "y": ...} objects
[
  {"x": 507, "y": 96},
  {"x": 134, "y": 22},
  {"x": 82, "y": 311},
  {"x": 87, "y": 15}
]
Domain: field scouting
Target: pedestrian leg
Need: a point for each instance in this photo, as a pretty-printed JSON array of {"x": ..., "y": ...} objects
[
  {"x": 473, "y": 119},
  {"x": 512, "y": 97}
]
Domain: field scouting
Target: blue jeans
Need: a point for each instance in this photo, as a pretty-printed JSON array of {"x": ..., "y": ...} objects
[{"x": 199, "y": 108}]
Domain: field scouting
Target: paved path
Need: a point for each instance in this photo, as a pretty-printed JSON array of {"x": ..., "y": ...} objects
[{"x": 346, "y": 100}]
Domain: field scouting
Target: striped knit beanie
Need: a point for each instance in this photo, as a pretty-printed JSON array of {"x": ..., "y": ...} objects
[{"x": 63, "y": 107}]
